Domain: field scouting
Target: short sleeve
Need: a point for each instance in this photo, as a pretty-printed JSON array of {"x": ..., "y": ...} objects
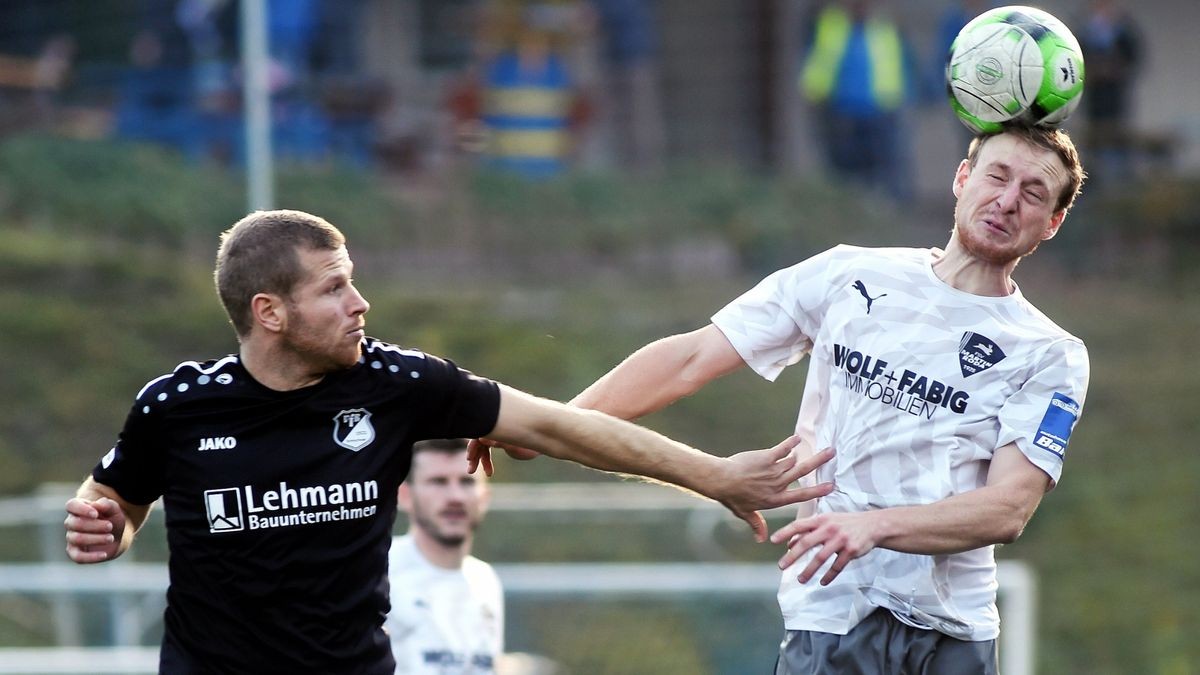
[
  {"x": 134, "y": 467},
  {"x": 773, "y": 325},
  {"x": 456, "y": 402},
  {"x": 1040, "y": 416}
]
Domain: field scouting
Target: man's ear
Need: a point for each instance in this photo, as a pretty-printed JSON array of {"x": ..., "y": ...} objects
[
  {"x": 960, "y": 177},
  {"x": 269, "y": 311},
  {"x": 1056, "y": 222},
  {"x": 404, "y": 497}
]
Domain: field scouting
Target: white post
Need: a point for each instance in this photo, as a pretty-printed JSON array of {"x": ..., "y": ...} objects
[{"x": 256, "y": 105}]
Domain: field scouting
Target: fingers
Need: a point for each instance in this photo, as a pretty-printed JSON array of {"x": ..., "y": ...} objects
[
  {"x": 90, "y": 537},
  {"x": 89, "y": 548},
  {"x": 479, "y": 452},
  {"x": 794, "y": 469},
  {"x": 810, "y": 464},
  {"x": 785, "y": 447},
  {"x": 793, "y": 529},
  {"x": 802, "y": 494},
  {"x": 817, "y": 562},
  {"x": 839, "y": 564},
  {"x": 81, "y": 508},
  {"x": 757, "y": 524}
]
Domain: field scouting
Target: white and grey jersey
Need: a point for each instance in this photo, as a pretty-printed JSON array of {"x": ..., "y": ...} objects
[
  {"x": 915, "y": 385},
  {"x": 443, "y": 621}
]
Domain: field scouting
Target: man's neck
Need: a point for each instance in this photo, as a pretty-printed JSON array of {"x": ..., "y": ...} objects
[
  {"x": 963, "y": 271},
  {"x": 273, "y": 368},
  {"x": 440, "y": 555}
]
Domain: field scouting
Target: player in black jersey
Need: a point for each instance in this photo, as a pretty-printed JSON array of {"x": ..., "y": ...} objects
[{"x": 278, "y": 466}]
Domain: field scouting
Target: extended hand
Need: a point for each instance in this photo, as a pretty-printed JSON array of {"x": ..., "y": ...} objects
[
  {"x": 759, "y": 479},
  {"x": 845, "y": 535},
  {"x": 94, "y": 529},
  {"x": 479, "y": 451}
]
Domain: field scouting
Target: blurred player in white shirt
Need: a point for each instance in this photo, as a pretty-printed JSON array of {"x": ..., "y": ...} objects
[{"x": 447, "y": 611}]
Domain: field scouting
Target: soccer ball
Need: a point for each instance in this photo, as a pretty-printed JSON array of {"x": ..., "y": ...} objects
[{"x": 1014, "y": 64}]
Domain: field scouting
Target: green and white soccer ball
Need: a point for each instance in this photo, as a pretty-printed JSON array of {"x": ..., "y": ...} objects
[{"x": 1014, "y": 64}]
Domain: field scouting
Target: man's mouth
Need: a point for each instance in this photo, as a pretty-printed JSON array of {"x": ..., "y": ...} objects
[{"x": 995, "y": 225}]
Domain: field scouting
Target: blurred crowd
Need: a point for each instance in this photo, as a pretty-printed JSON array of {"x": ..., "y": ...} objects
[{"x": 530, "y": 86}]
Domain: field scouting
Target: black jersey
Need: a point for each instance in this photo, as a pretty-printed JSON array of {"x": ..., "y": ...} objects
[{"x": 279, "y": 505}]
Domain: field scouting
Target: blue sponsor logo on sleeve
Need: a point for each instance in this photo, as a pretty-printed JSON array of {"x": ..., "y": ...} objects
[{"x": 1057, "y": 423}]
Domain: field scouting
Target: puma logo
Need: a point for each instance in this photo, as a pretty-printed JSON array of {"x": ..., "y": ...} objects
[{"x": 862, "y": 288}]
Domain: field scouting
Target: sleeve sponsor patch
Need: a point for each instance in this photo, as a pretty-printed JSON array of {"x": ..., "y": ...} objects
[{"x": 1057, "y": 423}]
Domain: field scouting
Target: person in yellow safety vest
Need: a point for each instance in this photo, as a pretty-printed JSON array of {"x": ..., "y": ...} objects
[{"x": 857, "y": 74}]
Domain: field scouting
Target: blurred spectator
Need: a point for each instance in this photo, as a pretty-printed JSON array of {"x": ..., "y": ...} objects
[
  {"x": 1112, "y": 52},
  {"x": 858, "y": 75},
  {"x": 351, "y": 100},
  {"x": 36, "y": 58},
  {"x": 531, "y": 109},
  {"x": 631, "y": 109},
  {"x": 157, "y": 101},
  {"x": 183, "y": 86},
  {"x": 956, "y": 15}
]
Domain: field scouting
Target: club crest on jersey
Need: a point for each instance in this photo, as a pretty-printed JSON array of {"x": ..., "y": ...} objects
[
  {"x": 352, "y": 429},
  {"x": 977, "y": 353}
]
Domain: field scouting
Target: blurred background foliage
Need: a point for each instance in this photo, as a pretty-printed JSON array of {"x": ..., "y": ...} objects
[{"x": 105, "y": 282}]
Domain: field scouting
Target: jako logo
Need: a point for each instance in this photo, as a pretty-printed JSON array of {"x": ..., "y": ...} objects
[{"x": 217, "y": 443}]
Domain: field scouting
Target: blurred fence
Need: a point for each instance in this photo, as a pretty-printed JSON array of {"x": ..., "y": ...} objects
[{"x": 107, "y": 618}]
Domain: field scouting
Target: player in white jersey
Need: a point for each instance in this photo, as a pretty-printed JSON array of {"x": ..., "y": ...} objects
[
  {"x": 947, "y": 398},
  {"x": 447, "y": 612}
]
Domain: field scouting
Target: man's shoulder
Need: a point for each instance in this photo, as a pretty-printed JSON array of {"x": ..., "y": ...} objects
[
  {"x": 376, "y": 349},
  {"x": 1037, "y": 324},
  {"x": 192, "y": 378},
  {"x": 860, "y": 256},
  {"x": 843, "y": 260},
  {"x": 481, "y": 575},
  {"x": 387, "y": 359}
]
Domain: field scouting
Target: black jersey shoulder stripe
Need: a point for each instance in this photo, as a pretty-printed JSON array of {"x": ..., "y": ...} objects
[{"x": 194, "y": 365}]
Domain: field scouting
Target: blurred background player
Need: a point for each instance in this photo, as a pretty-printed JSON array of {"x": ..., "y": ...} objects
[
  {"x": 447, "y": 611},
  {"x": 858, "y": 74}
]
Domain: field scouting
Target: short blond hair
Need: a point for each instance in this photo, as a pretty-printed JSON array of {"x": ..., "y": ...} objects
[
  {"x": 1055, "y": 140},
  {"x": 259, "y": 255}
]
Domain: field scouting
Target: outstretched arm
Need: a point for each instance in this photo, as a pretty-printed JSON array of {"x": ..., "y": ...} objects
[
  {"x": 744, "y": 483},
  {"x": 650, "y": 379},
  {"x": 661, "y": 373},
  {"x": 100, "y": 524},
  {"x": 993, "y": 514}
]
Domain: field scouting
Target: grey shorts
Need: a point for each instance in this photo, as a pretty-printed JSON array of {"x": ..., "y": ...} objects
[{"x": 883, "y": 645}]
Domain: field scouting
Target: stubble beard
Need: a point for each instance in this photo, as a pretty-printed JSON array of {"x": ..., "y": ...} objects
[
  {"x": 430, "y": 526},
  {"x": 306, "y": 342},
  {"x": 978, "y": 247}
]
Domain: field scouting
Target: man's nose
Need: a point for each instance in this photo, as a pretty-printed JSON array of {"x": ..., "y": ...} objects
[
  {"x": 359, "y": 304},
  {"x": 1008, "y": 198}
]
